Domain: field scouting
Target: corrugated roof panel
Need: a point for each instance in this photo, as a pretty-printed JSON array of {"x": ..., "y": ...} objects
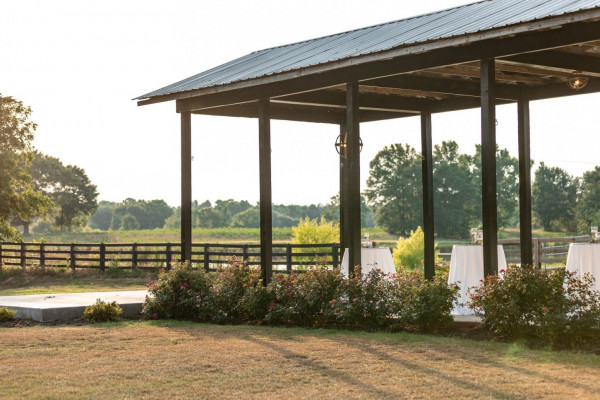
[{"x": 466, "y": 19}]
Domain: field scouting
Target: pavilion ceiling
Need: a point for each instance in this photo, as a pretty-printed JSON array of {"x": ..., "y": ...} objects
[{"x": 438, "y": 89}]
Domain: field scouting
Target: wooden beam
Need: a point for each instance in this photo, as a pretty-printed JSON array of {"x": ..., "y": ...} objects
[
  {"x": 560, "y": 61},
  {"x": 368, "y": 101},
  {"x": 186, "y": 187},
  {"x": 562, "y": 90},
  {"x": 527, "y": 69},
  {"x": 473, "y": 72},
  {"x": 285, "y": 112},
  {"x": 458, "y": 87},
  {"x": 488, "y": 168},
  {"x": 266, "y": 216},
  {"x": 427, "y": 174},
  {"x": 525, "y": 231},
  {"x": 352, "y": 183}
]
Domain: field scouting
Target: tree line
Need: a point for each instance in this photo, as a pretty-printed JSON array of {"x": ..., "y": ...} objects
[{"x": 560, "y": 202}]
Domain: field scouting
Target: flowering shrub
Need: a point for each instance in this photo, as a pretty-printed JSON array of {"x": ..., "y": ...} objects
[
  {"x": 319, "y": 297},
  {"x": 302, "y": 299},
  {"x": 228, "y": 299},
  {"x": 183, "y": 292},
  {"x": 367, "y": 301},
  {"x": 102, "y": 311},
  {"x": 553, "y": 306},
  {"x": 426, "y": 304}
]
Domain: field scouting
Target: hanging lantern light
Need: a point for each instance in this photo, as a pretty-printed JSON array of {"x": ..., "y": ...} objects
[
  {"x": 577, "y": 82},
  {"x": 341, "y": 145}
]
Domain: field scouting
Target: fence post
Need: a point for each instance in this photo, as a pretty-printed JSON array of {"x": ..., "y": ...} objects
[
  {"x": 334, "y": 255},
  {"x": 1, "y": 260},
  {"x": 288, "y": 257},
  {"x": 102, "y": 256},
  {"x": 536, "y": 253},
  {"x": 134, "y": 256},
  {"x": 73, "y": 256},
  {"x": 245, "y": 255},
  {"x": 169, "y": 256},
  {"x": 42, "y": 255},
  {"x": 206, "y": 258},
  {"x": 23, "y": 255}
]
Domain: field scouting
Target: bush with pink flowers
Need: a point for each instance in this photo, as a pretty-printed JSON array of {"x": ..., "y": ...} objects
[
  {"x": 552, "y": 306},
  {"x": 319, "y": 297}
]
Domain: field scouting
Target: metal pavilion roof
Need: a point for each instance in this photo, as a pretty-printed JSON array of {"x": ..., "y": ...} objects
[{"x": 454, "y": 22}]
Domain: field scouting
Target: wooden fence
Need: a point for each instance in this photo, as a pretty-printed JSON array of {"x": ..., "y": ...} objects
[
  {"x": 286, "y": 257},
  {"x": 547, "y": 252}
]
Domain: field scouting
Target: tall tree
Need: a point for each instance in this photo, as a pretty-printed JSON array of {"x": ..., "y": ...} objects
[
  {"x": 68, "y": 186},
  {"x": 588, "y": 206},
  {"x": 554, "y": 198},
  {"x": 17, "y": 195},
  {"x": 456, "y": 193},
  {"x": 394, "y": 188}
]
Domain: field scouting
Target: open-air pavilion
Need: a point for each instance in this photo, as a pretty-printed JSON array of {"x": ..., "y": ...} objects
[{"x": 477, "y": 55}]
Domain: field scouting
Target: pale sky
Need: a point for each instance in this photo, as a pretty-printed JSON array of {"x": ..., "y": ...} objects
[{"x": 79, "y": 63}]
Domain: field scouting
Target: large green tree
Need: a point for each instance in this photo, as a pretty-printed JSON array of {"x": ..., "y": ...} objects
[
  {"x": 69, "y": 188},
  {"x": 17, "y": 195},
  {"x": 394, "y": 188},
  {"x": 456, "y": 193},
  {"x": 554, "y": 198},
  {"x": 588, "y": 206}
]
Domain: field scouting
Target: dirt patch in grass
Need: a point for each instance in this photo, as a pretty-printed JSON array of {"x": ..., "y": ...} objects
[{"x": 184, "y": 360}]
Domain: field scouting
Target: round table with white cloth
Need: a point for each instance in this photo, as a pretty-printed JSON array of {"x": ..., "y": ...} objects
[
  {"x": 466, "y": 269},
  {"x": 585, "y": 258},
  {"x": 372, "y": 258}
]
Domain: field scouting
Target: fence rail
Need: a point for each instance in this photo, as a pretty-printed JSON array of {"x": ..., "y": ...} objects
[
  {"x": 546, "y": 251},
  {"x": 286, "y": 257}
]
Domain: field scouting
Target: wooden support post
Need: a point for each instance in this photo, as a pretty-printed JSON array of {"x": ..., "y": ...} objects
[
  {"x": 206, "y": 257},
  {"x": 169, "y": 256},
  {"x": 42, "y": 255},
  {"x": 186, "y": 187},
  {"x": 488, "y": 167},
  {"x": 525, "y": 230},
  {"x": 352, "y": 182},
  {"x": 266, "y": 217},
  {"x": 1, "y": 260},
  {"x": 134, "y": 256},
  {"x": 334, "y": 255},
  {"x": 288, "y": 257},
  {"x": 23, "y": 255},
  {"x": 102, "y": 262},
  {"x": 344, "y": 225},
  {"x": 72, "y": 253},
  {"x": 427, "y": 174},
  {"x": 245, "y": 253}
]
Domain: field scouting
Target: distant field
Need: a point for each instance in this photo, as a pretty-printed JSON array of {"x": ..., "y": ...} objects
[
  {"x": 239, "y": 235},
  {"x": 199, "y": 235}
]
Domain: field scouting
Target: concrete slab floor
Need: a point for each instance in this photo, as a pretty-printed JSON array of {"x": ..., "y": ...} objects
[{"x": 66, "y": 306}]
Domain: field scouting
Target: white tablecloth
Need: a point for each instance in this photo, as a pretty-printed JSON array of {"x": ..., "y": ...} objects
[
  {"x": 466, "y": 269},
  {"x": 372, "y": 258},
  {"x": 585, "y": 258}
]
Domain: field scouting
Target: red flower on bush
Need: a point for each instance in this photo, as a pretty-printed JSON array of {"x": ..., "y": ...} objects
[{"x": 154, "y": 316}]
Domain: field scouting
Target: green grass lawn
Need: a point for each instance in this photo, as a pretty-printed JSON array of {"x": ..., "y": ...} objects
[
  {"x": 165, "y": 359},
  {"x": 14, "y": 281}
]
